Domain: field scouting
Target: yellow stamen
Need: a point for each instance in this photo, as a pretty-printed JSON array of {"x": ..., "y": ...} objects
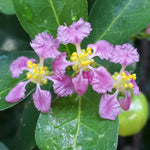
[
  {"x": 130, "y": 85},
  {"x": 41, "y": 72},
  {"x": 29, "y": 75},
  {"x": 35, "y": 71},
  {"x": 45, "y": 81},
  {"x": 90, "y": 53},
  {"x": 74, "y": 54},
  {"x": 35, "y": 65},
  {"x": 130, "y": 76},
  {"x": 89, "y": 48},
  {"x": 134, "y": 78},
  {"x": 81, "y": 55},
  {"x": 83, "y": 63},
  {"x": 85, "y": 54},
  {"x": 35, "y": 77},
  {"x": 124, "y": 77},
  {"x": 30, "y": 66},
  {"x": 123, "y": 74},
  {"x": 29, "y": 62},
  {"x": 74, "y": 59},
  {"x": 125, "y": 85}
]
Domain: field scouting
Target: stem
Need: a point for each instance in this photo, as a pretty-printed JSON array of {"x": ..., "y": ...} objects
[
  {"x": 78, "y": 48},
  {"x": 123, "y": 69},
  {"x": 41, "y": 61}
]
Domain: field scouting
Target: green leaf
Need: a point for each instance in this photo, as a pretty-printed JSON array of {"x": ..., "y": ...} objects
[
  {"x": 38, "y": 16},
  {"x": 74, "y": 123},
  {"x": 116, "y": 21},
  {"x": 26, "y": 133},
  {"x": 6, "y": 80},
  {"x": 6, "y": 7},
  {"x": 3, "y": 147}
]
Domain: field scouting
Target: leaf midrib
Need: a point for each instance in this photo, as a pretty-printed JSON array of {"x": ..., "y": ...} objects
[{"x": 114, "y": 20}]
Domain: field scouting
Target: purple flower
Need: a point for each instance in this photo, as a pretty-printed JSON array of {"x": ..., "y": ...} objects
[
  {"x": 124, "y": 54},
  {"x": 75, "y": 33},
  {"x": 45, "y": 46},
  {"x": 82, "y": 62},
  {"x": 124, "y": 83}
]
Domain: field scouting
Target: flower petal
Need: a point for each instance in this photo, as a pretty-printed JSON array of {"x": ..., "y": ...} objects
[
  {"x": 17, "y": 93},
  {"x": 60, "y": 63},
  {"x": 19, "y": 65},
  {"x": 109, "y": 106},
  {"x": 45, "y": 46},
  {"x": 63, "y": 85},
  {"x": 80, "y": 84},
  {"x": 124, "y": 54},
  {"x": 125, "y": 103},
  {"x": 42, "y": 99},
  {"x": 102, "y": 48},
  {"x": 75, "y": 33},
  {"x": 135, "y": 88},
  {"x": 88, "y": 75},
  {"x": 102, "y": 80}
]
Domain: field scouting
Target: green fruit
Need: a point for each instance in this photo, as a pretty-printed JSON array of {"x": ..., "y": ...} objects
[{"x": 133, "y": 120}]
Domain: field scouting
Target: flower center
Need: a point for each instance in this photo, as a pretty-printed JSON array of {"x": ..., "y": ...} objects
[
  {"x": 122, "y": 81},
  {"x": 82, "y": 60},
  {"x": 37, "y": 73}
]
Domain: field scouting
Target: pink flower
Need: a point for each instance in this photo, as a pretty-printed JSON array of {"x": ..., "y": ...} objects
[
  {"x": 124, "y": 83},
  {"x": 124, "y": 54},
  {"x": 75, "y": 33},
  {"x": 45, "y": 46}
]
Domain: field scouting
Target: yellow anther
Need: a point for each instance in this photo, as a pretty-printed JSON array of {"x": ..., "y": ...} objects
[
  {"x": 74, "y": 59},
  {"x": 81, "y": 55},
  {"x": 130, "y": 85},
  {"x": 134, "y": 75},
  {"x": 29, "y": 75},
  {"x": 35, "y": 71},
  {"x": 134, "y": 78},
  {"x": 123, "y": 74},
  {"x": 74, "y": 54},
  {"x": 47, "y": 73},
  {"x": 82, "y": 63},
  {"x": 30, "y": 66},
  {"x": 42, "y": 68},
  {"x": 125, "y": 85},
  {"x": 35, "y": 77},
  {"x": 86, "y": 64},
  {"x": 130, "y": 76},
  {"x": 89, "y": 49},
  {"x": 35, "y": 65},
  {"x": 90, "y": 53},
  {"x": 85, "y": 54},
  {"x": 41, "y": 72},
  {"x": 29, "y": 62},
  {"x": 116, "y": 73},
  {"x": 124, "y": 77}
]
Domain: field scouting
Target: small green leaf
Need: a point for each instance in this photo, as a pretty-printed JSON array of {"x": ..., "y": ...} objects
[
  {"x": 6, "y": 80},
  {"x": 46, "y": 15},
  {"x": 74, "y": 123},
  {"x": 116, "y": 21},
  {"x": 7, "y": 7}
]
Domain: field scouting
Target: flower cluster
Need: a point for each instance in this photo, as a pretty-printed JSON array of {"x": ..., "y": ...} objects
[{"x": 85, "y": 70}]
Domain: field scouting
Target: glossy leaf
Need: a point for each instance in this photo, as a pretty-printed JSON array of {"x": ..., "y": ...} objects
[
  {"x": 116, "y": 21},
  {"x": 6, "y": 7},
  {"x": 6, "y": 80},
  {"x": 74, "y": 123},
  {"x": 38, "y": 16}
]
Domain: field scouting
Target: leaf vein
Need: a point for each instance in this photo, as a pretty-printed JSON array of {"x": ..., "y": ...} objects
[{"x": 115, "y": 19}]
